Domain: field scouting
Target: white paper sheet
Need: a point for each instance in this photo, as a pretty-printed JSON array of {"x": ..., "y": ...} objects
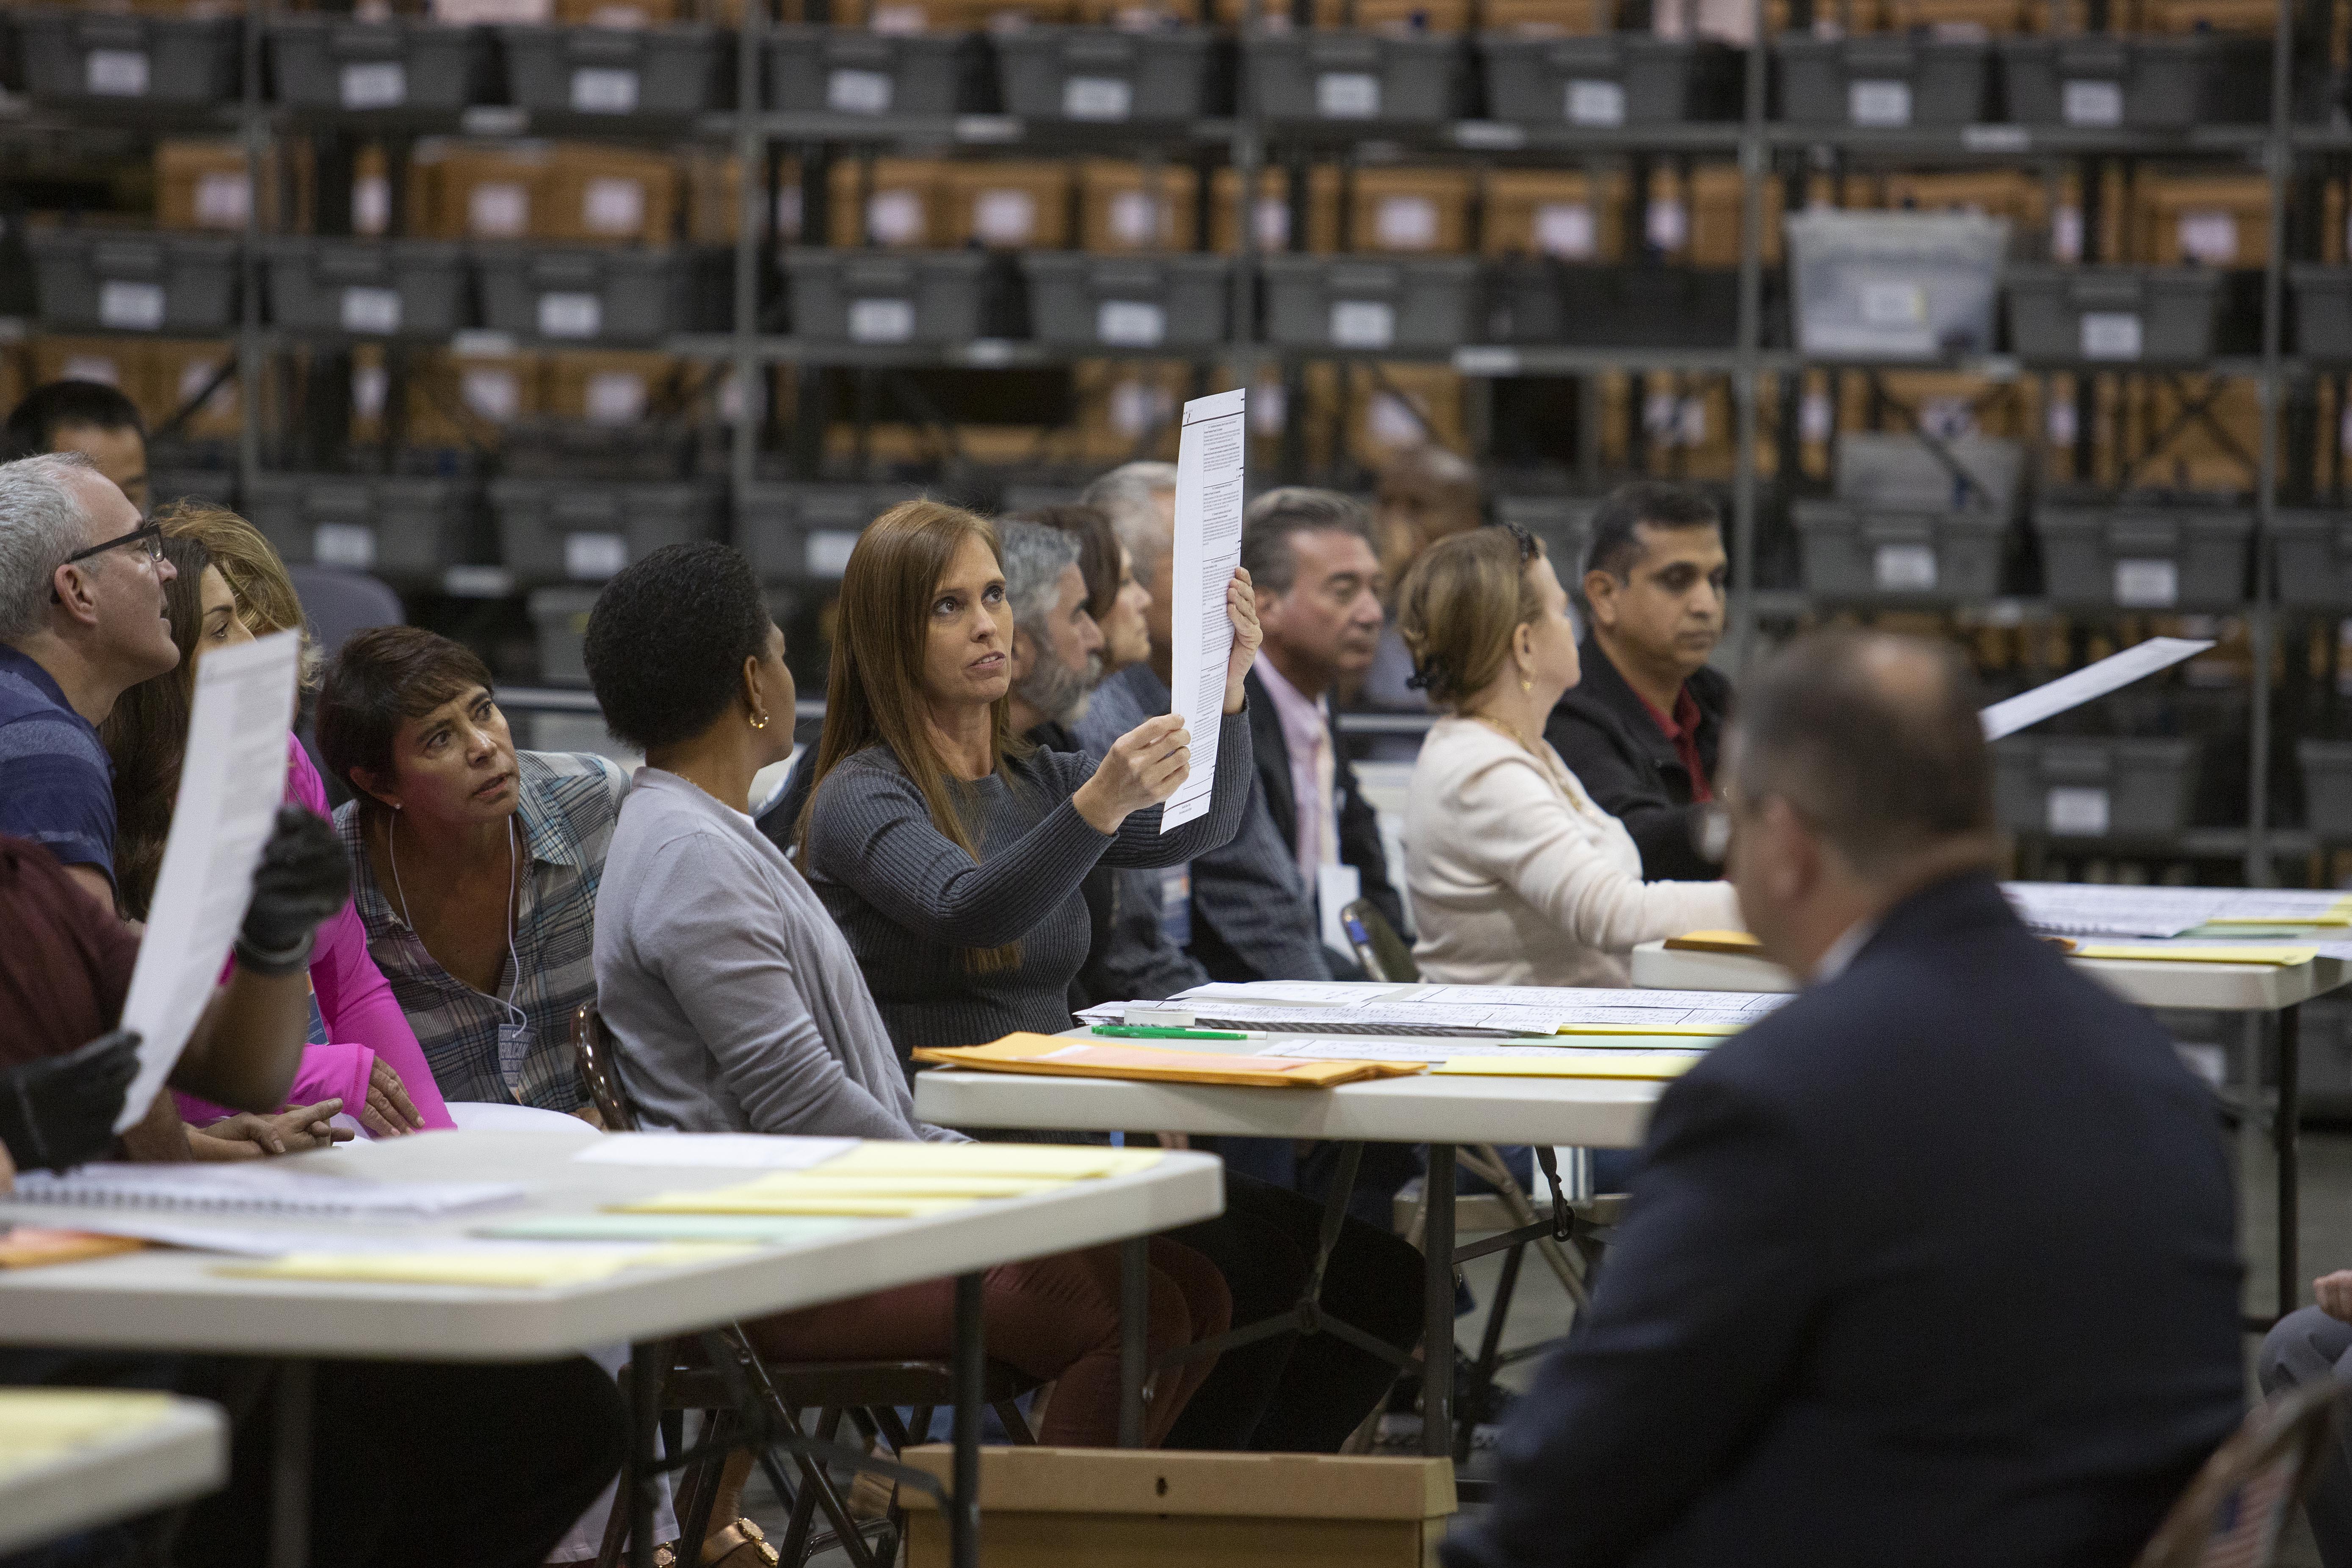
[
  {"x": 1348, "y": 1050},
  {"x": 2085, "y": 909},
  {"x": 733, "y": 1151},
  {"x": 1588, "y": 998},
  {"x": 1314, "y": 993},
  {"x": 231, "y": 780},
  {"x": 1209, "y": 463},
  {"x": 2110, "y": 674}
]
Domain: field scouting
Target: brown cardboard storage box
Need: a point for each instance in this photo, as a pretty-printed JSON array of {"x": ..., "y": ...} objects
[
  {"x": 1543, "y": 212},
  {"x": 2210, "y": 220},
  {"x": 903, "y": 209},
  {"x": 1127, "y": 206},
  {"x": 1128, "y": 408},
  {"x": 615, "y": 389},
  {"x": 608, "y": 196},
  {"x": 452, "y": 401},
  {"x": 1106, "y": 1508},
  {"x": 464, "y": 190},
  {"x": 1404, "y": 405},
  {"x": 1271, "y": 210},
  {"x": 1957, "y": 18},
  {"x": 125, "y": 364},
  {"x": 1410, "y": 211},
  {"x": 178, "y": 371},
  {"x": 1946, "y": 403},
  {"x": 951, "y": 15},
  {"x": 713, "y": 186},
  {"x": 203, "y": 184},
  {"x": 1548, "y": 18},
  {"x": 1697, "y": 220},
  {"x": 1006, "y": 204}
]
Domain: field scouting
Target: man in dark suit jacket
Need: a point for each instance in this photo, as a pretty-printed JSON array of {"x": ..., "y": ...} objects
[
  {"x": 1642, "y": 729},
  {"x": 1936, "y": 1265}
]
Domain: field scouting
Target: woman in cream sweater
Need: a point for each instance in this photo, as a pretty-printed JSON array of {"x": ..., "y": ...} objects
[{"x": 1517, "y": 877}]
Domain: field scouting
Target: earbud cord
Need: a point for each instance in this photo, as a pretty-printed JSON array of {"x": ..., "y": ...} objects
[{"x": 514, "y": 960}]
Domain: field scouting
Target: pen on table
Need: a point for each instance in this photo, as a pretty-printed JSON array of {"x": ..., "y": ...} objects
[{"x": 1135, "y": 1032}]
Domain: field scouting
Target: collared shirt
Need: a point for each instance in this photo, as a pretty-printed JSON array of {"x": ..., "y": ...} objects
[
  {"x": 1682, "y": 728},
  {"x": 1313, "y": 772},
  {"x": 1842, "y": 951},
  {"x": 568, "y": 803},
  {"x": 57, "y": 784}
]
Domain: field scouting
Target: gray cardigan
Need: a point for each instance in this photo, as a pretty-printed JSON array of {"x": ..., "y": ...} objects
[{"x": 736, "y": 1003}]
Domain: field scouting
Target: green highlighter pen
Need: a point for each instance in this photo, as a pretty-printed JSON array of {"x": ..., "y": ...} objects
[{"x": 1134, "y": 1032}]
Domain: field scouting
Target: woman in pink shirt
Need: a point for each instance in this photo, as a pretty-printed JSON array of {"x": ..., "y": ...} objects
[{"x": 372, "y": 1062}]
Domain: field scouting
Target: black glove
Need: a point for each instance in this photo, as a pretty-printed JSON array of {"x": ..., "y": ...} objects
[
  {"x": 302, "y": 880},
  {"x": 59, "y": 1111}
]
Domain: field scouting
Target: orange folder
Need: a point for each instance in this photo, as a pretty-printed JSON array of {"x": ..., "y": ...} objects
[
  {"x": 1715, "y": 941},
  {"x": 1058, "y": 1056}
]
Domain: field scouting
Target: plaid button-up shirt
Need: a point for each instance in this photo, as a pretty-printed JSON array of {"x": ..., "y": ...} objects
[{"x": 568, "y": 803}]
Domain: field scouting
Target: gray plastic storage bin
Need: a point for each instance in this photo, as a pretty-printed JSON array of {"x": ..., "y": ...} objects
[
  {"x": 886, "y": 296},
  {"x": 599, "y": 296},
  {"x": 2070, "y": 788},
  {"x": 1883, "y": 81},
  {"x": 178, "y": 283},
  {"x": 1423, "y": 306},
  {"x": 1327, "y": 74},
  {"x": 1104, "y": 74},
  {"x": 1610, "y": 79},
  {"x": 328, "y": 62},
  {"x": 395, "y": 527},
  {"x": 1872, "y": 285},
  {"x": 2322, "y": 310},
  {"x": 1902, "y": 471},
  {"x": 2117, "y": 315},
  {"x": 1128, "y": 303},
  {"x": 560, "y": 616},
  {"x": 550, "y": 529},
  {"x": 2314, "y": 552},
  {"x": 620, "y": 72},
  {"x": 791, "y": 531},
  {"x": 1564, "y": 523},
  {"x": 401, "y": 288},
  {"x": 91, "y": 55},
  {"x": 1852, "y": 549},
  {"x": 2326, "y": 787},
  {"x": 2144, "y": 557},
  {"x": 2143, "y": 82},
  {"x": 847, "y": 70}
]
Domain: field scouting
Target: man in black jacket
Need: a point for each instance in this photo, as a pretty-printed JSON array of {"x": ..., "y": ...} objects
[
  {"x": 1641, "y": 731},
  {"x": 1937, "y": 1266}
]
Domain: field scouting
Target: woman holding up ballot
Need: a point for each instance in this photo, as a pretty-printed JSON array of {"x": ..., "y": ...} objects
[{"x": 1517, "y": 878}]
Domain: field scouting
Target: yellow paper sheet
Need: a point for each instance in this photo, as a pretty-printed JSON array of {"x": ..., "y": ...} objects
[
  {"x": 943, "y": 1185},
  {"x": 1710, "y": 1031},
  {"x": 1067, "y": 1162},
  {"x": 522, "y": 1269},
  {"x": 1588, "y": 1064},
  {"x": 2336, "y": 917},
  {"x": 2251, "y": 953},
  {"x": 751, "y": 1200},
  {"x": 38, "y": 1424}
]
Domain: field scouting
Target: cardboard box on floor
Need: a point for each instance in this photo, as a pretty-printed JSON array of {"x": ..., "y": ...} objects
[{"x": 1109, "y": 1508}]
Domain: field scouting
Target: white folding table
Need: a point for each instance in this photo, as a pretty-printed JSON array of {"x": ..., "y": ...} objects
[
  {"x": 167, "y": 1450},
  {"x": 170, "y": 1299}
]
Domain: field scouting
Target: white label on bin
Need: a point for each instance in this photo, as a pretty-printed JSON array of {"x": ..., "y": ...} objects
[
  {"x": 613, "y": 205},
  {"x": 376, "y": 84},
  {"x": 894, "y": 217},
  {"x": 1893, "y": 303},
  {"x": 571, "y": 315},
  {"x": 101, "y": 368},
  {"x": 223, "y": 200},
  {"x": 1273, "y": 219},
  {"x": 1668, "y": 225},
  {"x": 857, "y": 92},
  {"x": 492, "y": 392},
  {"x": 604, "y": 90},
  {"x": 828, "y": 552},
  {"x": 593, "y": 556},
  {"x": 1405, "y": 222},
  {"x": 116, "y": 73},
  {"x": 1878, "y": 102},
  {"x": 1138, "y": 407},
  {"x": 371, "y": 310},
  {"x": 1130, "y": 323},
  {"x": 2111, "y": 334},
  {"x": 1004, "y": 218},
  {"x": 1904, "y": 568},
  {"x": 350, "y": 545},
  {"x": 2210, "y": 237},
  {"x": 1096, "y": 98},
  {"x": 477, "y": 581},
  {"x": 2066, "y": 234},
  {"x": 1362, "y": 324},
  {"x": 1391, "y": 421},
  {"x": 2077, "y": 810},
  {"x": 497, "y": 209},
  {"x": 1595, "y": 103},
  {"x": 2091, "y": 103},
  {"x": 371, "y": 385},
  {"x": 1134, "y": 218},
  {"x": 881, "y": 320},
  {"x": 1347, "y": 95},
  {"x": 1565, "y": 229},
  {"x": 615, "y": 398},
  {"x": 2148, "y": 584},
  {"x": 371, "y": 204},
  {"x": 135, "y": 307}
]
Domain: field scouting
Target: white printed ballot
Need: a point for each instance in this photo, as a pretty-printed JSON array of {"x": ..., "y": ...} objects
[
  {"x": 231, "y": 780},
  {"x": 2110, "y": 674},
  {"x": 1209, "y": 461}
]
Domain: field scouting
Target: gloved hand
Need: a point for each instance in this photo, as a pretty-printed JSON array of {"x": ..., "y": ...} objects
[
  {"x": 302, "y": 880},
  {"x": 59, "y": 1111}
]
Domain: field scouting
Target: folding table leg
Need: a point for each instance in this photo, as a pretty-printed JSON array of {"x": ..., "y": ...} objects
[
  {"x": 1437, "y": 1331},
  {"x": 290, "y": 1477},
  {"x": 970, "y": 1394},
  {"x": 641, "y": 1474},
  {"x": 1134, "y": 1330}
]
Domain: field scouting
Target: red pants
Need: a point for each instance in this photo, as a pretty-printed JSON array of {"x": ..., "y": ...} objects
[{"x": 1055, "y": 1318}]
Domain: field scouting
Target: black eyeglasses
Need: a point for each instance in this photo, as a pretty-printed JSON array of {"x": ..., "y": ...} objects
[{"x": 148, "y": 537}]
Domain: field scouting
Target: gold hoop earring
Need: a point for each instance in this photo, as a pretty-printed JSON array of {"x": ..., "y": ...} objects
[{"x": 759, "y": 720}]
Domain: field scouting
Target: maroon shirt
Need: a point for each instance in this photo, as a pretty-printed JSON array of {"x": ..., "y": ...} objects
[
  {"x": 1682, "y": 728},
  {"x": 65, "y": 963}
]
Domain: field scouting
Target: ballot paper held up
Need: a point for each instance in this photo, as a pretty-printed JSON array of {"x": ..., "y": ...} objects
[
  {"x": 231, "y": 780},
  {"x": 1209, "y": 459},
  {"x": 2110, "y": 674}
]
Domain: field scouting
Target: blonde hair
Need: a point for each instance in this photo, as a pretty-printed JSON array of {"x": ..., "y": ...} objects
[
  {"x": 1460, "y": 606},
  {"x": 250, "y": 566}
]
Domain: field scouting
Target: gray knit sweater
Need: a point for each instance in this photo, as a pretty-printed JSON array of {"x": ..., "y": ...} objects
[
  {"x": 736, "y": 1003},
  {"x": 912, "y": 903}
]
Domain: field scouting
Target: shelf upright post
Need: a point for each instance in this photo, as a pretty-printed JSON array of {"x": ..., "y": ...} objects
[
  {"x": 1248, "y": 155},
  {"x": 1753, "y": 169},
  {"x": 2278, "y": 154},
  {"x": 751, "y": 199},
  {"x": 253, "y": 127}
]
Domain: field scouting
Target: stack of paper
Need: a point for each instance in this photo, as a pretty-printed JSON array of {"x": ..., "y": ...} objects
[
  {"x": 899, "y": 1181},
  {"x": 37, "y": 1425},
  {"x": 1456, "y": 1059},
  {"x": 518, "y": 1267},
  {"x": 1053, "y": 1057}
]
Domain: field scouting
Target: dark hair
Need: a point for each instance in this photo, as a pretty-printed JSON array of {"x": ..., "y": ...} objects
[
  {"x": 1098, "y": 548},
  {"x": 1615, "y": 543},
  {"x": 147, "y": 735},
  {"x": 1278, "y": 517},
  {"x": 380, "y": 678},
  {"x": 1873, "y": 738},
  {"x": 668, "y": 639},
  {"x": 34, "y": 423}
]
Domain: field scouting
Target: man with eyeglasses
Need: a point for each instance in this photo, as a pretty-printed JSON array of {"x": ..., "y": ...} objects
[{"x": 82, "y": 620}]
